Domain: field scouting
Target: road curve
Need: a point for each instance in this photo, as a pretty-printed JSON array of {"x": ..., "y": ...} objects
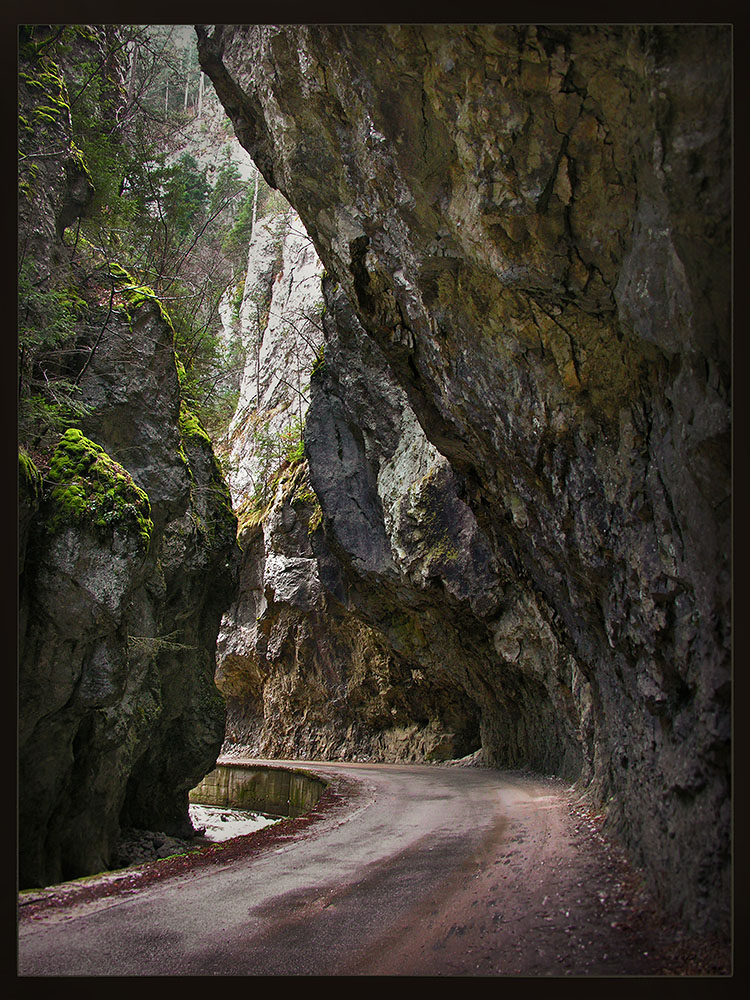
[{"x": 426, "y": 871}]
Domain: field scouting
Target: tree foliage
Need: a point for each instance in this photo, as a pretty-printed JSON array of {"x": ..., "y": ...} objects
[{"x": 135, "y": 94}]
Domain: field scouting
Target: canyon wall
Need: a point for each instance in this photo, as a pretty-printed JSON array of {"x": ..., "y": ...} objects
[
  {"x": 127, "y": 554},
  {"x": 306, "y": 673},
  {"x": 512, "y": 529}
]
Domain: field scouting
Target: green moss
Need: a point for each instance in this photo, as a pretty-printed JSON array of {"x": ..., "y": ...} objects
[
  {"x": 134, "y": 294},
  {"x": 85, "y": 32},
  {"x": 50, "y": 112},
  {"x": 181, "y": 371},
  {"x": 319, "y": 363},
  {"x": 250, "y": 514},
  {"x": 48, "y": 81},
  {"x": 48, "y": 84},
  {"x": 119, "y": 272},
  {"x": 316, "y": 519},
  {"x": 444, "y": 550},
  {"x": 29, "y": 477},
  {"x": 237, "y": 298},
  {"x": 219, "y": 517},
  {"x": 78, "y": 157},
  {"x": 191, "y": 427},
  {"x": 295, "y": 488},
  {"x": 88, "y": 486},
  {"x": 301, "y": 492},
  {"x": 50, "y": 96},
  {"x": 26, "y": 183},
  {"x": 305, "y": 494}
]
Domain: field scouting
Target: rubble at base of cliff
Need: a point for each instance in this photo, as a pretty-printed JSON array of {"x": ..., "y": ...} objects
[{"x": 137, "y": 847}]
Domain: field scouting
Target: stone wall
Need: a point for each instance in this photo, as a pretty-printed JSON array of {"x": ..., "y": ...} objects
[{"x": 273, "y": 791}]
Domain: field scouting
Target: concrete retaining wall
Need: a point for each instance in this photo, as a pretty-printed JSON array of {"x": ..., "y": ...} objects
[{"x": 274, "y": 791}]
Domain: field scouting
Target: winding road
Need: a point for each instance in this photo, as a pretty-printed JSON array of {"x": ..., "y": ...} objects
[{"x": 419, "y": 870}]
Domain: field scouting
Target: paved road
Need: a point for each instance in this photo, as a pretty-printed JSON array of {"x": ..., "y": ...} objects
[{"x": 429, "y": 871}]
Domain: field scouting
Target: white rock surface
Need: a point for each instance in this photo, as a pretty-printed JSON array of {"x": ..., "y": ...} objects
[{"x": 280, "y": 329}]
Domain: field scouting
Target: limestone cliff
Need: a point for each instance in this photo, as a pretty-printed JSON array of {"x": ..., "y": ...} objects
[
  {"x": 304, "y": 674},
  {"x": 519, "y": 439},
  {"x": 280, "y": 329},
  {"x": 128, "y": 540}
]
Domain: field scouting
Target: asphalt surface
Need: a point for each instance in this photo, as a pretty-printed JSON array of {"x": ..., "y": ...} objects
[{"x": 425, "y": 871}]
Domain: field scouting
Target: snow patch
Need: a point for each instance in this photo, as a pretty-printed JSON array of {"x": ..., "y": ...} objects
[{"x": 221, "y": 823}]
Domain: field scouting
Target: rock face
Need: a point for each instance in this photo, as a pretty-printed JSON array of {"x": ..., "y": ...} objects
[
  {"x": 127, "y": 560},
  {"x": 119, "y": 716},
  {"x": 280, "y": 324},
  {"x": 304, "y": 674},
  {"x": 519, "y": 440}
]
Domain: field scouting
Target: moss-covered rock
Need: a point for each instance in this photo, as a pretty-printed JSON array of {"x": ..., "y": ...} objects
[
  {"x": 88, "y": 486},
  {"x": 191, "y": 427},
  {"x": 127, "y": 534},
  {"x": 29, "y": 478},
  {"x": 136, "y": 295}
]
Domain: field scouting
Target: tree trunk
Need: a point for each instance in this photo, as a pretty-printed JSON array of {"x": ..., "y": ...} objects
[{"x": 131, "y": 75}]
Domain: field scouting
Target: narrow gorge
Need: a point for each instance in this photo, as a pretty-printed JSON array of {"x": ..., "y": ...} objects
[{"x": 473, "y": 499}]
